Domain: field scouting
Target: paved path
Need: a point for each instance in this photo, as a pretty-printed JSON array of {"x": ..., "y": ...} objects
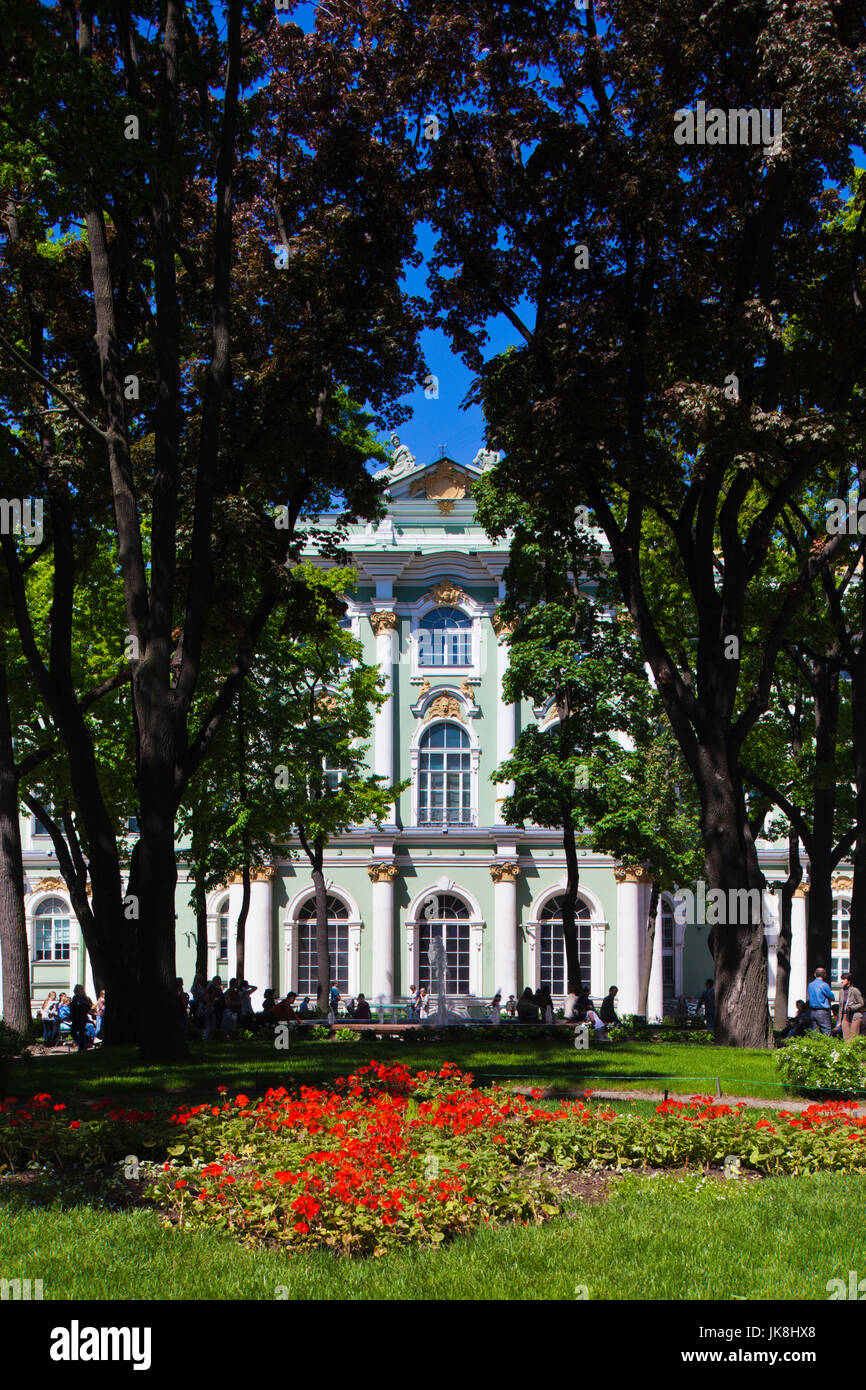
[{"x": 758, "y": 1102}]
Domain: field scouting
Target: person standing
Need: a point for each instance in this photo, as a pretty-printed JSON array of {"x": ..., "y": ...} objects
[
  {"x": 50, "y": 1021},
  {"x": 78, "y": 1012},
  {"x": 851, "y": 1006},
  {"x": 707, "y": 1002},
  {"x": 820, "y": 998},
  {"x": 496, "y": 1010}
]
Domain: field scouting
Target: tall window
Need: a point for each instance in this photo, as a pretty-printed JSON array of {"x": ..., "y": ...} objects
[
  {"x": 841, "y": 937},
  {"x": 446, "y": 916},
  {"x": 333, "y": 774},
  {"x": 445, "y": 777},
  {"x": 445, "y": 638},
  {"x": 552, "y": 946},
  {"x": 223, "y": 933},
  {"x": 668, "y": 976},
  {"x": 338, "y": 946},
  {"x": 38, "y": 829},
  {"x": 51, "y": 924}
]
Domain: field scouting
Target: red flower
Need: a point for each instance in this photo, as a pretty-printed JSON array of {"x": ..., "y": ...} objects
[
  {"x": 74, "y": 1124},
  {"x": 181, "y": 1182},
  {"x": 302, "y": 1227}
]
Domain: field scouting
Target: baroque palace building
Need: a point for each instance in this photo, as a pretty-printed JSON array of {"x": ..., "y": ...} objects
[{"x": 429, "y": 584}]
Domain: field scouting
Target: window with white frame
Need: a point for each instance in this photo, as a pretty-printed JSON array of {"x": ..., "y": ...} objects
[
  {"x": 338, "y": 946},
  {"x": 553, "y": 973},
  {"x": 333, "y": 774},
  {"x": 668, "y": 972},
  {"x": 51, "y": 930},
  {"x": 38, "y": 830},
  {"x": 223, "y": 933},
  {"x": 445, "y": 638},
  {"x": 445, "y": 776},
  {"x": 841, "y": 960},
  {"x": 446, "y": 916}
]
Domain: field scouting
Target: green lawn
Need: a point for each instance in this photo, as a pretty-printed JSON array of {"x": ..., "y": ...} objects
[
  {"x": 253, "y": 1066},
  {"x": 655, "y": 1238}
]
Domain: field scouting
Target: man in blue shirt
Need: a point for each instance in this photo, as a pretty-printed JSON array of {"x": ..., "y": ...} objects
[{"x": 820, "y": 999}]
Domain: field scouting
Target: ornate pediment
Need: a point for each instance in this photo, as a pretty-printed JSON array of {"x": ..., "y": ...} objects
[
  {"x": 443, "y": 707},
  {"x": 445, "y": 483},
  {"x": 447, "y": 594},
  {"x": 50, "y": 885}
]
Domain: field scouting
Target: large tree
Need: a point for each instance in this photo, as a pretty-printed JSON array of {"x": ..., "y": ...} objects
[
  {"x": 670, "y": 302},
  {"x": 225, "y": 247}
]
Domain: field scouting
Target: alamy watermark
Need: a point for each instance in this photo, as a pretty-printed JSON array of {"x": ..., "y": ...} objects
[
  {"x": 22, "y": 516},
  {"x": 720, "y": 907},
  {"x": 854, "y": 1289},
  {"x": 737, "y": 126}
]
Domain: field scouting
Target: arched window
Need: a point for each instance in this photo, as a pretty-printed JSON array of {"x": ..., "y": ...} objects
[
  {"x": 551, "y": 945},
  {"x": 446, "y": 916},
  {"x": 51, "y": 923},
  {"x": 445, "y": 638},
  {"x": 668, "y": 975},
  {"x": 338, "y": 946},
  {"x": 445, "y": 776},
  {"x": 841, "y": 937},
  {"x": 223, "y": 933}
]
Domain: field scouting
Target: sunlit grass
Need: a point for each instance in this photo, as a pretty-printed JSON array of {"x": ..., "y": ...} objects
[{"x": 655, "y": 1238}]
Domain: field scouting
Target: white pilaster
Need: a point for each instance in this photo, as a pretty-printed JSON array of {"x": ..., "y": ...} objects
[
  {"x": 504, "y": 875},
  {"x": 258, "y": 958},
  {"x": 506, "y": 721},
  {"x": 384, "y": 624},
  {"x": 382, "y": 875},
  {"x": 655, "y": 1004},
  {"x": 798, "y": 983},
  {"x": 628, "y": 939}
]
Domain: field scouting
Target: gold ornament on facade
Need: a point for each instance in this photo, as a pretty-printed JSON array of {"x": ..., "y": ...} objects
[
  {"x": 503, "y": 628},
  {"x": 383, "y": 621},
  {"x": 842, "y": 883},
  {"x": 50, "y": 885},
  {"x": 469, "y": 691},
  {"x": 448, "y": 595},
  {"x": 801, "y": 890},
  {"x": 265, "y": 874},
  {"x": 505, "y": 872},
  {"x": 443, "y": 707},
  {"x": 424, "y": 688},
  {"x": 640, "y": 874},
  {"x": 446, "y": 483},
  {"x": 383, "y": 873}
]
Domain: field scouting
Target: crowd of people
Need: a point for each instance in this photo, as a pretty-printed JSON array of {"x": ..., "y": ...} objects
[
  {"x": 215, "y": 1008},
  {"x": 72, "y": 1016}
]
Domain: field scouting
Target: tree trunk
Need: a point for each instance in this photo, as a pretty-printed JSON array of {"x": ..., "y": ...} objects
[
  {"x": 569, "y": 903},
  {"x": 200, "y": 927},
  {"x": 649, "y": 944},
  {"x": 242, "y": 922},
  {"x": 152, "y": 890},
  {"x": 783, "y": 947},
  {"x": 857, "y": 925},
  {"x": 739, "y": 948},
  {"x": 16, "y": 1010},
  {"x": 824, "y": 683}
]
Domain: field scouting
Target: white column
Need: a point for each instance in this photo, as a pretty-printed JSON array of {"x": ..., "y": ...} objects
[
  {"x": 628, "y": 940},
  {"x": 382, "y": 876},
  {"x": 655, "y": 1003},
  {"x": 598, "y": 936},
  {"x": 258, "y": 957},
  {"x": 236, "y": 893},
  {"x": 385, "y": 623},
  {"x": 506, "y": 720},
  {"x": 798, "y": 982},
  {"x": 504, "y": 875}
]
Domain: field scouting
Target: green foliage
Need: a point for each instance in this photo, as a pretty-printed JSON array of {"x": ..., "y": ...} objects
[{"x": 816, "y": 1064}]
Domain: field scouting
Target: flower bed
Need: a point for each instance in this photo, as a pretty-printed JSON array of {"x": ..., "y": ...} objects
[{"x": 389, "y": 1157}]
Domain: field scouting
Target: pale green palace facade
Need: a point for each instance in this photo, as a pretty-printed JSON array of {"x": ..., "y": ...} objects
[{"x": 429, "y": 584}]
